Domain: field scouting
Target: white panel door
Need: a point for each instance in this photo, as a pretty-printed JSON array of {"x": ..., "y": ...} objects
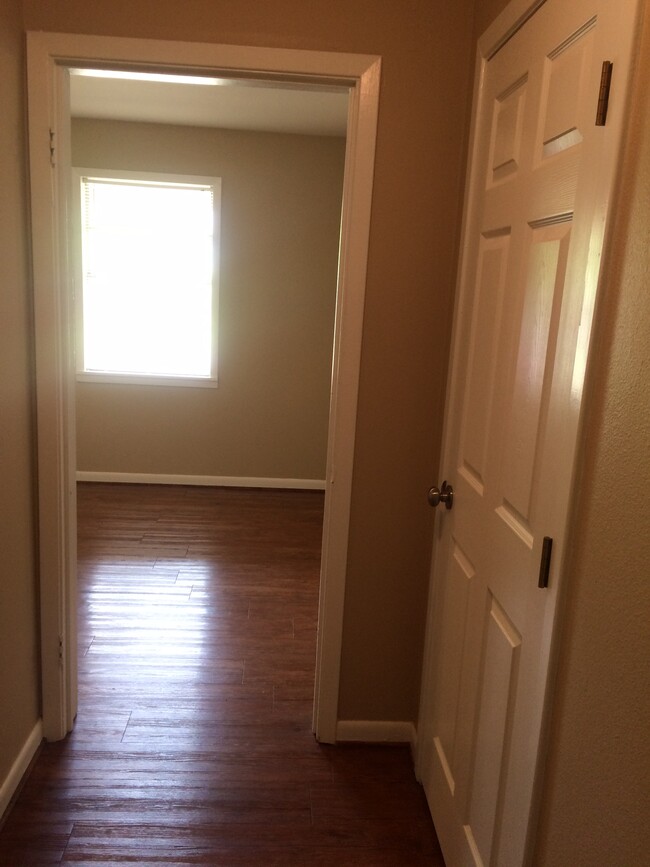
[{"x": 540, "y": 182}]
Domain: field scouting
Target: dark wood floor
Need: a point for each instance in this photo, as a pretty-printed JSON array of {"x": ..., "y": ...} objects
[{"x": 193, "y": 742}]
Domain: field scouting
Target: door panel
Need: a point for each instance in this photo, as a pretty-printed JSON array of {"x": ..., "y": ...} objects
[
  {"x": 456, "y": 607},
  {"x": 495, "y": 713},
  {"x": 484, "y": 340},
  {"x": 541, "y": 178},
  {"x": 507, "y": 128},
  {"x": 564, "y": 91},
  {"x": 532, "y": 369}
]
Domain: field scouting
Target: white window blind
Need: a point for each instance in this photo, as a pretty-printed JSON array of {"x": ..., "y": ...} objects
[{"x": 148, "y": 274}]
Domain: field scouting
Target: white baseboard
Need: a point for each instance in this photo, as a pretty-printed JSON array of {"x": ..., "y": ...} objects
[
  {"x": 377, "y": 732},
  {"x": 17, "y": 770},
  {"x": 206, "y": 481}
]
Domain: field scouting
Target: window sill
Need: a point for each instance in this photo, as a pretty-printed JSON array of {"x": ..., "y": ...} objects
[{"x": 129, "y": 379}]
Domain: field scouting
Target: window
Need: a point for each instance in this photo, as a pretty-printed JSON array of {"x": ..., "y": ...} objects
[{"x": 148, "y": 258}]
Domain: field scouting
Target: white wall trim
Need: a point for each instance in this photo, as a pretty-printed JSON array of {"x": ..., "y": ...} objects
[
  {"x": 17, "y": 771},
  {"x": 204, "y": 481},
  {"x": 377, "y": 732}
]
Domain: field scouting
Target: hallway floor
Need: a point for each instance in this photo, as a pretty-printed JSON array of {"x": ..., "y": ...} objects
[{"x": 193, "y": 743}]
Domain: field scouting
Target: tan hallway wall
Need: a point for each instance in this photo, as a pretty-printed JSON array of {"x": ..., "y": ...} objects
[
  {"x": 18, "y": 624},
  {"x": 280, "y": 226},
  {"x": 424, "y": 45},
  {"x": 410, "y": 260},
  {"x": 425, "y": 49}
]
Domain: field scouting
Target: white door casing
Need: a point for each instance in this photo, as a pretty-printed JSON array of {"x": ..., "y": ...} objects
[
  {"x": 49, "y": 56},
  {"x": 540, "y": 184}
]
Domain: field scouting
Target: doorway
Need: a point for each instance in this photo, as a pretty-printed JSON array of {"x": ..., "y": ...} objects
[
  {"x": 50, "y": 57},
  {"x": 247, "y": 346},
  {"x": 254, "y": 424}
]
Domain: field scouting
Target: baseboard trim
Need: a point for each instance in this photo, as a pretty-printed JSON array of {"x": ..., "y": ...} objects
[
  {"x": 376, "y": 732},
  {"x": 14, "y": 778},
  {"x": 205, "y": 481}
]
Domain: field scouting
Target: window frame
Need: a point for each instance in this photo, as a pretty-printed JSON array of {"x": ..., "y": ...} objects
[{"x": 115, "y": 377}]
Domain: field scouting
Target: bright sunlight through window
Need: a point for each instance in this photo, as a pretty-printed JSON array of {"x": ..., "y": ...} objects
[{"x": 148, "y": 255}]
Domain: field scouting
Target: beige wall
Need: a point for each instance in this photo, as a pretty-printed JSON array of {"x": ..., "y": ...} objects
[
  {"x": 425, "y": 49},
  {"x": 594, "y": 810},
  {"x": 18, "y": 635},
  {"x": 280, "y": 223},
  {"x": 485, "y": 13}
]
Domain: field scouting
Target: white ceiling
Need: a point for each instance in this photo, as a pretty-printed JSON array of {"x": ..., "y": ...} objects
[{"x": 225, "y": 103}]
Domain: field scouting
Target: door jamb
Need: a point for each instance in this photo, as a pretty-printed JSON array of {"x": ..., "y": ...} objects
[{"x": 49, "y": 55}]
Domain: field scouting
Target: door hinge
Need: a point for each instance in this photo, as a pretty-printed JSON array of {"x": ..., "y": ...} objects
[
  {"x": 61, "y": 649},
  {"x": 52, "y": 149},
  {"x": 603, "y": 93},
  {"x": 545, "y": 562}
]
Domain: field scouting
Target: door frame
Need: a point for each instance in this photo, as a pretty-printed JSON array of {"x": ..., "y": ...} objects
[{"x": 49, "y": 56}]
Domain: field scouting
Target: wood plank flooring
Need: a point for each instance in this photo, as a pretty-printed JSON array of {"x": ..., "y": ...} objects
[{"x": 193, "y": 743}]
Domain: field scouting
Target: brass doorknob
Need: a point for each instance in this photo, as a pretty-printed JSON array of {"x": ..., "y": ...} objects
[{"x": 445, "y": 495}]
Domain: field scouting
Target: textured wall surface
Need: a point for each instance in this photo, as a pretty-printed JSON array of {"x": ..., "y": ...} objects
[
  {"x": 18, "y": 625},
  {"x": 280, "y": 226},
  {"x": 595, "y": 809},
  {"x": 425, "y": 49}
]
